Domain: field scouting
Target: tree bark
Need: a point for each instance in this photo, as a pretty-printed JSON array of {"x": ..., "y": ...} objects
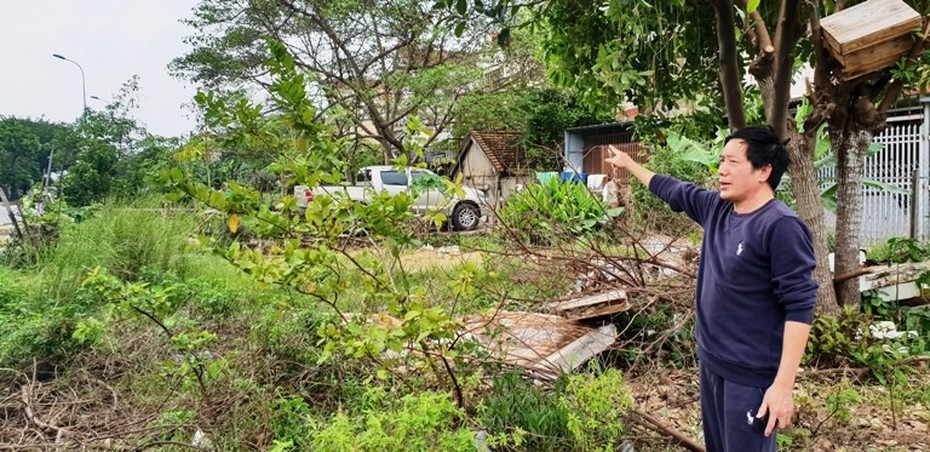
[
  {"x": 770, "y": 72},
  {"x": 804, "y": 187},
  {"x": 849, "y": 146}
]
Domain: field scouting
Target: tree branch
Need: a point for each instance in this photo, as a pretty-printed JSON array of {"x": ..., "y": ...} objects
[
  {"x": 763, "y": 41},
  {"x": 819, "y": 94},
  {"x": 729, "y": 63},
  {"x": 894, "y": 90},
  {"x": 786, "y": 39},
  {"x": 656, "y": 424}
]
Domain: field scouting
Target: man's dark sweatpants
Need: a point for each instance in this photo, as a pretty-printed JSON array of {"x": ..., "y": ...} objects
[{"x": 728, "y": 411}]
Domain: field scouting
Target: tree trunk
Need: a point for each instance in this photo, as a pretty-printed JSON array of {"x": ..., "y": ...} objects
[
  {"x": 806, "y": 193},
  {"x": 849, "y": 146}
]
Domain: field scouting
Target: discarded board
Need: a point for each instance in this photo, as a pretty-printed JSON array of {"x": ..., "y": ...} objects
[
  {"x": 590, "y": 306},
  {"x": 895, "y": 281},
  {"x": 546, "y": 345},
  {"x": 869, "y": 36},
  {"x": 886, "y": 275}
]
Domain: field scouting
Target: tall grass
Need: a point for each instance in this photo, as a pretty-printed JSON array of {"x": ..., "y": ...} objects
[
  {"x": 122, "y": 238},
  {"x": 40, "y": 308}
]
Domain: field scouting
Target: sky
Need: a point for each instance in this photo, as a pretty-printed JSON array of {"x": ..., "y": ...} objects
[{"x": 112, "y": 40}]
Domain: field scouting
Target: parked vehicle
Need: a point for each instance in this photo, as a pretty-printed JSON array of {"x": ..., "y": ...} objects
[{"x": 464, "y": 213}]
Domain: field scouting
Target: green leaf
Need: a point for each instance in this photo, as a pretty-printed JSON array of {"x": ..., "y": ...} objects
[
  {"x": 752, "y": 6},
  {"x": 461, "y": 6},
  {"x": 874, "y": 148},
  {"x": 890, "y": 188},
  {"x": 828, "y": 198}
]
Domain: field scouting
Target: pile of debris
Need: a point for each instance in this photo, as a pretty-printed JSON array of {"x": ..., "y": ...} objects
[
  {"x": 569, "y": 331},
  {"x": 548, "y": 345}
]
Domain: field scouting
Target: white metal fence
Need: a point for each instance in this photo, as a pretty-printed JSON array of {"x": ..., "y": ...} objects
[{"x": 902, "y": 161}]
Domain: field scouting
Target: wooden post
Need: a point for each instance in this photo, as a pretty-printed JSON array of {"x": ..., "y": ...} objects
[{"x": 9, "y": 211}]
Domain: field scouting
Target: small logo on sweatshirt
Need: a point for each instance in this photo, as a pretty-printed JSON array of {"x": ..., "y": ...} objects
[
  {"x": 750, "y": 419},
  {"x": 739, "y": 249}
]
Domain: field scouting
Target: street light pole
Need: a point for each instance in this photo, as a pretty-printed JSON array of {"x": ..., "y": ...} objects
[{"x": 83, "y": 82}]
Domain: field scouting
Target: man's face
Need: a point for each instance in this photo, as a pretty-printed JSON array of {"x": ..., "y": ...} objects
[{"x": 738, "y": 180}]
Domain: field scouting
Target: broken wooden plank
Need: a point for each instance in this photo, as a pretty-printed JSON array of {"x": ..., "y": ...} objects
[
  {"x": 545, "y": 345},
  {"x": 590, "y": 306},
  {"x": 890, "y": 275},
  {"x": 582, "y": 349},
  {"x": 895, "y": 282},
  {"x": 585, "y": 301},
  {"x": 602, "y": 311}
]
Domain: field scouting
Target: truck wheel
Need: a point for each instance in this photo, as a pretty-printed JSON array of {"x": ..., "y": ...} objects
[{"x": 465, "y": 216}]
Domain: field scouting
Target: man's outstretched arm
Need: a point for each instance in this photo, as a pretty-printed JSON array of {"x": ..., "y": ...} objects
[{"x": 620, "y": 159}]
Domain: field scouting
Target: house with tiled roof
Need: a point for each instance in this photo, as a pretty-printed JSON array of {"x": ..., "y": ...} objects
[{"x": 493, "y": 162}]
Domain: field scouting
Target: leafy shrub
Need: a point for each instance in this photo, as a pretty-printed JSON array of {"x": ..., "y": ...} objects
[
  {"x": 545, "y": 212},
  {"x": 848, "y": 339},
  {"x": 839, "y": 402},
  {"x": 834, "y": 339},
  {"x": 19, "y": 295},
  {"x": 289, "y": 422},
  {"x": 897, "y": 250},
  {"x": 596, "y": 405},
  {"x": 516, "y": 405},
  {"x": 425, "y": 421}
]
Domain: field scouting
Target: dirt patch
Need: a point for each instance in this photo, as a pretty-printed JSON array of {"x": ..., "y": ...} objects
[
  {"x": 866, "y": 421},
  {"x": 428, "y": 257}
]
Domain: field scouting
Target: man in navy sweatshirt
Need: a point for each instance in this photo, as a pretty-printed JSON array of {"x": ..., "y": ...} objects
[{"x": 755, "y": 290}]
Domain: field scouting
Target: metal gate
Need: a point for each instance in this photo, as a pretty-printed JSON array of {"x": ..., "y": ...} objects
[{"x": 903, "y": 162}]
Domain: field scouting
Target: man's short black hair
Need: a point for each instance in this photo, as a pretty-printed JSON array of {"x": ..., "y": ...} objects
[{"x": 764, "y": 148}]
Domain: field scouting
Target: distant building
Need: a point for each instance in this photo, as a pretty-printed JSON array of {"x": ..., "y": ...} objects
[
  {"x": 586, "y": 148},
  {"x": 493, "y": 162}
]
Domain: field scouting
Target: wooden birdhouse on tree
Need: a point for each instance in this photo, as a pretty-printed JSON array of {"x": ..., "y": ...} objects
[{"x": 870, "y": 36}]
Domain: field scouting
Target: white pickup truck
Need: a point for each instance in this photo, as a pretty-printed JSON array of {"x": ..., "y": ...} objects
[{"x": 464, "y": 213}]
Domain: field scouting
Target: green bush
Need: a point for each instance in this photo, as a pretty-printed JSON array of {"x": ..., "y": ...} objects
[
  {"x": 847, "y": 339},
  {"x": 19, "y": 298},
  {"x": 289, "y": 422},
  {"x": 834, "y": 339},
  {"x": 546, "y": 212},
  {"x": 424, "y": 421},
  {"x": 897, "y": 250},
  {"x": 596, "y": 404},
  {"x": 516, "y": 405}
]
